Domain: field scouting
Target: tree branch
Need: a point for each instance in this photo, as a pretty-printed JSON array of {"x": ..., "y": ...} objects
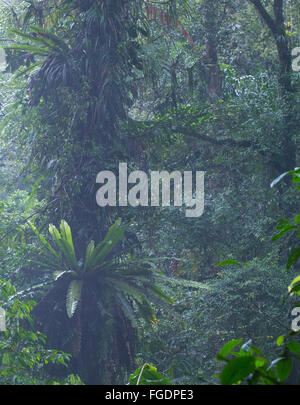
[
  {"x": 265, "y": 15},
  {"x": 278, "y": 12},
  {"x": 222, "y": 142}
]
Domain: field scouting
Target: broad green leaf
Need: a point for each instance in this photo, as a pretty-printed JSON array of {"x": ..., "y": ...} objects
[
  {"x": 296, "y": 280},
  {"x": 73, "y": 296},
  {"x": 280, "y": 340},
  {"x": 66, "y": 239},
  {"x": 293, "y": 258},
  {"x": 133, "y": 292},
  {"x": 43, "y": 240},
  {"x": 293, "y": 347},
  {"x": 296, "y": 178},
  {"x": 112, "y": 229},
  {"x": 114, "y": 235},
  {"x": 260, "y": 362},
  {"x": 284, "y": 230},
  {"x": 160, "y": 293},
  {"x": 284, "y": 368},
  {"x": 65, "y": 244},
  {"x": 89, "y": 254},
  {"x": 128, "y": 289},
  {"x": 226, "y": 349},
  {"x": 237, "y": 370},
  {"x": 295, "y": 289},
  {"x": 54, "y": 232},
  {"x": 128, "y": 310},
  {"x": 93, "y": 257}
]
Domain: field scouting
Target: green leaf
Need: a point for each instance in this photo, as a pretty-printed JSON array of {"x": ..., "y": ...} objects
[
  {"x": 43, "y": 240},
  {"x": 284, "y": 368},
  {"x": 295, "y": 289},
  {"x": 138, "y": 296},
  {"x": 280, "y": 340},
  {"x": 114, "y": 235},
  {"x": 148, "y": 375},
  {"x": 293, "y": 347},
  {"x": 128, "y": 310},
  {"x": 66, "y": 239},
  {"x": 160, "y": 293},
  {"x": 226, "y": 349},
  {"x": 296, "y": 178},
  {"x": 293, "y": 258},
  {"x": 260, "y": 362},
  {"x": 55, "y": 40},
  {"x": 54, "y": 232},
  {"x": 89, "y": 254},
  {"x": 237, "y": 370},
  {"x": 284, "y": 230},
  {"x": 73, "y": 297},
  {"x": 128, "y": 289},
  {"x": 65, "y": 244},
  {"x": 34, "y": 50},
  {"x": 296, "y": 280}
]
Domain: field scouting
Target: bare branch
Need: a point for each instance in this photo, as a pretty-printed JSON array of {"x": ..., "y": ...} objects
[
  {"x": 214, "y": 141},
  {"x": 265, "y": 15}
]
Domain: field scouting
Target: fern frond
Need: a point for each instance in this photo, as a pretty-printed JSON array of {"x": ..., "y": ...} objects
[
  {"x": 43, "y": 240},
  {"x": 73, "y": 296},
  {"x": 128, "y": 310},
  {"x": 34, "y": 50}
]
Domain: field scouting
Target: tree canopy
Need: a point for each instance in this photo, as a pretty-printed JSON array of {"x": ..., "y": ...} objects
[{"x": 141, "y": 292}]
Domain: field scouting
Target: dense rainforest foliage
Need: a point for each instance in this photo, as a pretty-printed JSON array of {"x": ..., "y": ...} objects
[{"x": 136, "y": 293}]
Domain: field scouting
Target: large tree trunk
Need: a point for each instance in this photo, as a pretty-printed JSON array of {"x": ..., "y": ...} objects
[
  {"x": 276, "y": 25},
  {"x": 212, "y": 70}
]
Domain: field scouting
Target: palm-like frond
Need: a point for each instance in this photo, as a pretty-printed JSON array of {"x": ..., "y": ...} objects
[
  {"x": 114, "y": 235},
  {"x": 49, "y": 43},
  {"x": 73, "y": 296},
  {"x": 54, "y": 55},
  {"x": 130, "y": 280},
  {"x": 132, "y": 283},
  {"x": 64, "y": 242}
]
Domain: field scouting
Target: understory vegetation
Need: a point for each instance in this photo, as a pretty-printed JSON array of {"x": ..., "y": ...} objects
[{"x": 145, "y": 294}]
